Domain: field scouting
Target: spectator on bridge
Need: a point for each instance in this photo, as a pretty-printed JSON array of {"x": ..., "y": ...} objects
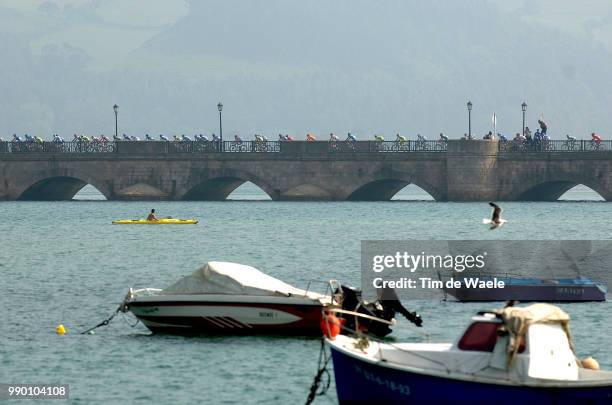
[
  {"x": 237, "y": 138},
  {"x": 543, "y": 126},
  {"x": 527, "y": 132},
  {"x": 529, "y": 139}
]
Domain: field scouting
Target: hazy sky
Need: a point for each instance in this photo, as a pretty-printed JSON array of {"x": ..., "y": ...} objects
[{"x": 295, "y": 66}]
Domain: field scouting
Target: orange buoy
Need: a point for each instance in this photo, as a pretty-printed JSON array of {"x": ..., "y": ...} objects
[{"x": 330, "y": 325}]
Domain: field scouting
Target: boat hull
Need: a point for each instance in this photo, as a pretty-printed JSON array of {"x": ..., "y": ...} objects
[
  {"x": 196, "y": 317},
  {"x": 525, "y": 293},
  {"x": 361, "y": 382}
]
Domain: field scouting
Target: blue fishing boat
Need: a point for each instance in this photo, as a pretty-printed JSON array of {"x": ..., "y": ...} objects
[
  {"x": 510, "y": 356},
  {"x": 579, "y": 289}
]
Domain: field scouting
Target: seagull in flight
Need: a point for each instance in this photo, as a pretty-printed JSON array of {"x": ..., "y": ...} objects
[{"x": 496, "y": 220}]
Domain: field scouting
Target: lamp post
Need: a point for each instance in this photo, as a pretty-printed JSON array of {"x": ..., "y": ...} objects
[
  {"x": 469, "y": 107},
  {"x": 220, "y": 108},
  {"x": 524, "y": 108},
  {"x": 116, "y": 109}
]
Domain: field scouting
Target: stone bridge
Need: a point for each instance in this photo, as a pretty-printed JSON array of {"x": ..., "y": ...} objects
[{"x": 311, "y": 171}]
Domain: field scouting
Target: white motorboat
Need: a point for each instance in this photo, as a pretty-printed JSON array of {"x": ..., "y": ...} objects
[{"x": 223, "y": 297}]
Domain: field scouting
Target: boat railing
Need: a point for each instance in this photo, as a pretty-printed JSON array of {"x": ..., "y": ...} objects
[{"x": 363, "y": 339}]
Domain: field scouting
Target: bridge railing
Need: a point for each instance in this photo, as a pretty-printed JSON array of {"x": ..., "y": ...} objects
[
  {"x": 556, "y": 145},
  {"x": 197, "y": 147},
  {"x": 55, "y": 147},
  {"x": 387, "y": 146}
]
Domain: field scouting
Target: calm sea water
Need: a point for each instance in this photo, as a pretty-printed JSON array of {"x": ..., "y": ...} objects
[{"x": 63, "y": 262}]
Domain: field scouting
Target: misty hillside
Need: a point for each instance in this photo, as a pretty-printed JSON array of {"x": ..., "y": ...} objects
[{"x": 278, "y": 65}]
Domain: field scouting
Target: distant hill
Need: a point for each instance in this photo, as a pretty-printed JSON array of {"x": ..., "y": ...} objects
[{"x": 299, "y": 66}]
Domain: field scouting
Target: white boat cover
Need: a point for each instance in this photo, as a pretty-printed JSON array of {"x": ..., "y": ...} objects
[
  {"x": 518, "y": 319},
  {"x": 234, "y": 278}
]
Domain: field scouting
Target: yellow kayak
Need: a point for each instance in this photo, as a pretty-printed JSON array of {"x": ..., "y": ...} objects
[{"x": 161, "y": 221}]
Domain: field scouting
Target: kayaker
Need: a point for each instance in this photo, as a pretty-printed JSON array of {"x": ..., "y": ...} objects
[{"x": 152, "y": 216}]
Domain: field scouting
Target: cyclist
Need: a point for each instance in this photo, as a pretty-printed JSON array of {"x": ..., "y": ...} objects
[
  {"x": 595, "y": 140},
  {"x": 443, "y": 138},
  {"x": 148, "y": 137},
  {"x": 399, "y": 138},
  {"x": 333, "y": 137},
  {"x": 185, "y": 138},
  {"x": 215, "y": 138},
  {"x": 350, "y": 137},
  {"x": 379, "y": 138},
  {"x": 163, "y": 138},
  {"x": 310, "y": 137},
  {"x": 289, "y": 138}
]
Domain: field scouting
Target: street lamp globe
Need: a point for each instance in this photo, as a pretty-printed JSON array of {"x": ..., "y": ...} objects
[
  {"x": 524, "y": 106},
  {"x": 469, "y": 105},
  {"x": 116, "y": 108},
  {"x": 220, "y": 107}
]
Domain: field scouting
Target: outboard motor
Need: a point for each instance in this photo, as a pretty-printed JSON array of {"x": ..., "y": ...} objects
[{"x": 384, "y": 308}]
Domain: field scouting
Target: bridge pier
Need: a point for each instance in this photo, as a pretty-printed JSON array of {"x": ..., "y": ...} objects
[{"x": 471, "y": 170}]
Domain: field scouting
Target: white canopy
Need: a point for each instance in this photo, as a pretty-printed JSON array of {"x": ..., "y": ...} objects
[{"x": 234, "y": 278}]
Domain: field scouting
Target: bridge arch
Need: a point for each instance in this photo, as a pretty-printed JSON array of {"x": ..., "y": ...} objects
[
  {"x": 59, "y": 187},
  {"x": 218, "y": 186},
  {"x": 551, "y": 190},
  {"x": 384, "y": 188}
]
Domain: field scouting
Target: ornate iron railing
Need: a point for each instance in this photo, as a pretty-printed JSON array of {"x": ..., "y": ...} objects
[
  {"x": 567, "y": 145},
  {"x": 56, "y": 147},
  {"x": 299, "y": 147},
  {"x": 251, "y": 146},
  {"x": 387, "y": 146}
]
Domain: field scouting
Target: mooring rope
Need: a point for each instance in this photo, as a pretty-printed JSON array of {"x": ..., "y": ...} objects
[
  {"x": 104, "y": 322},
  {"x": 322, "y": 372}
]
